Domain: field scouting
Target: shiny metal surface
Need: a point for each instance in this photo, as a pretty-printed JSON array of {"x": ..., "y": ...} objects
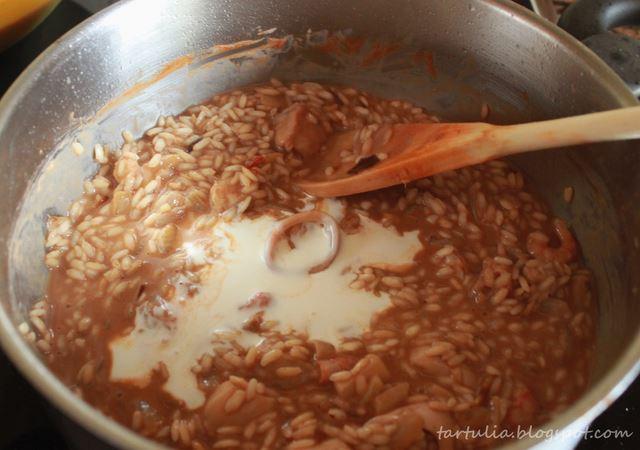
[
  {"x": 485, "y": 50},
  {"x": 546, "y": 9},
  {"x": 592, "y": 21}
]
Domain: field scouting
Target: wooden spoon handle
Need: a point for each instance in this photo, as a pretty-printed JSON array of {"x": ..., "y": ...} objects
[{"x": 616, "y": 125}]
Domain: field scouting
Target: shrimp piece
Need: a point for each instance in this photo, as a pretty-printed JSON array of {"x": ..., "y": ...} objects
[
  {"x": 491, "y": 271},
  {"x": 523, "y": 406},
  {"x": 538, "y": 245},
  {"x": 224, "y": 194},
  {"x": 330, "y": 366},
  {"x": 411, "y": 420},
  {"x": 295, "y": 131},
  {"x": 429, "y": 365}
]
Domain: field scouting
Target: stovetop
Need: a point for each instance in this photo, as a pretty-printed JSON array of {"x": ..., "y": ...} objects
[{"x": 28, "y": 422}]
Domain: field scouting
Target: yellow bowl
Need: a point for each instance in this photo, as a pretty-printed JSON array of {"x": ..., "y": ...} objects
[{"x": 19, "y": 17}]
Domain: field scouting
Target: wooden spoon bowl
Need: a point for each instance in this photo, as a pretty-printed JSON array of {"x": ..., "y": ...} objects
[{"x": 401, "y": 153}]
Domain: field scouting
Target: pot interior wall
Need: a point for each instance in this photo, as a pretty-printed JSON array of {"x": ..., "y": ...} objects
[
  {"x": 592, "y": 213},
  {"x": 515, "y": 69}
]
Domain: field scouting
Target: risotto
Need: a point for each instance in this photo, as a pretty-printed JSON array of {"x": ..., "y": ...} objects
[{"x": 200, "y": 298}]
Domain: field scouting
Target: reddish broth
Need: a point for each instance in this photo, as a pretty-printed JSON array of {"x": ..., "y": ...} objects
[{"x": 490, "y": 327}]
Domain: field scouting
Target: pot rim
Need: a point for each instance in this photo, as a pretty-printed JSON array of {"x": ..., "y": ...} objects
[{"x": 581, "y": 413}]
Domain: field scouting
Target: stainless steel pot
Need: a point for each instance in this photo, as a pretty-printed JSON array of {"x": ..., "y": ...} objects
[{"x": 483, "y": 50}]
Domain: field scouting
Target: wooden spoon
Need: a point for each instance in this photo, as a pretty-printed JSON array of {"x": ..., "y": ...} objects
[{"x": 405, "y": 152}]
